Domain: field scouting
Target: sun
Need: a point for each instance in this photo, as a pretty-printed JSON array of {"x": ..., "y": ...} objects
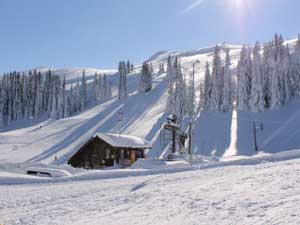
[{"x": 238, "y": 4}]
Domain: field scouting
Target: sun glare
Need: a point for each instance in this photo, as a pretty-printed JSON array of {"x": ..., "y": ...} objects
[{"x": 238, "y": 4}]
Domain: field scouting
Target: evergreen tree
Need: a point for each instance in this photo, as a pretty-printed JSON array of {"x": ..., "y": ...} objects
[
  {"x": 95, "y": 88},
  {"x": 122, "y": 81},
  {"x": 180, "y": 98},
  {"x": 266, "y": 74},
  {"x": 244, "y": 74},
  {"x": 83, "y": 92},
  {"x": 171, "y": 78},
  {"x": 128, "y": 67},
  {"x": 295, "y": 69},
  {"x": 107, "y": 88},
  {"x": 131, "y": 67},
  {"x": 207, "y": 89},
  {"x": 217, "y": 84},
  {"x": 257, "y": 90},
  {"x": 279, "y": 82},
  {"x": 145, "y": 81},
  {"x": 227, "y": 97}
]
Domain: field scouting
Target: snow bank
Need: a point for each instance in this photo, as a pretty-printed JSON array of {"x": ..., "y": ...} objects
[{"x": 150, "y": 167}]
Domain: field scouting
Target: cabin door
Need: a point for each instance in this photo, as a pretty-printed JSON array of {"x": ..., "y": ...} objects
[{"x": 132, "y": 156}]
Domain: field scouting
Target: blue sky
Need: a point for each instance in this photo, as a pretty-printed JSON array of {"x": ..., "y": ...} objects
[{"x": 99, "y": 33}]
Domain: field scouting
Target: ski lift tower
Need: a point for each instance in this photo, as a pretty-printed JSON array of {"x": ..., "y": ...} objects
[{"x": 172, "y": 124}]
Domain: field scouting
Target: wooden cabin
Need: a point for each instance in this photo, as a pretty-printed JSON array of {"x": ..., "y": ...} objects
[{"x": 105, "y": 150}]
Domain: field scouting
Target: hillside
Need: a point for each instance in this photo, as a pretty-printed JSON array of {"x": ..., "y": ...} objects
[{"x": 216, "y": 134}]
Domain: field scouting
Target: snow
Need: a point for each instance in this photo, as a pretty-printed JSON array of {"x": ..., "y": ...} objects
[
  {"x": 74, "y": 74},
  {"x": 55, "y": 173},
  {"x": 264, "y": 193},
  {"x": 227, "y": 183},
  {"x": 124, "y": 141}
]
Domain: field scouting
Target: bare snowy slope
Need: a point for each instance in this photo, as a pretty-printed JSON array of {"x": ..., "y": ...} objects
[
  {"x": 73, "y": 75},
  {"x": 144, "y": 114}
]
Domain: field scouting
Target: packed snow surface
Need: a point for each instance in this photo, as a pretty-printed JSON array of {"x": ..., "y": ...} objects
[{"x": 266, "y": 193}]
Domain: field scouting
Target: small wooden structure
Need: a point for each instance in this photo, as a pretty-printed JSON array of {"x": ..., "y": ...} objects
[{"x": 105, "y": 150}]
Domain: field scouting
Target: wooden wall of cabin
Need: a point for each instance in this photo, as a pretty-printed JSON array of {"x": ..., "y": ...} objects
[
  {"x": 94, "y": 155},
  {"x": 97, "y": 154}
]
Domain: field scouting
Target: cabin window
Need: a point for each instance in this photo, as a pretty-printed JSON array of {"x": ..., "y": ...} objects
[
  {"x": 86, "y": 165},
  {"x": 107, "y": 153},
  {"x": 138, "y": 155}
]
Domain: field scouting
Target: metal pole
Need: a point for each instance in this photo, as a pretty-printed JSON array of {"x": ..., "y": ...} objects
[
  {"x": 193, "y": 84},
  {"x": 190, "y": 144},
  {"x": 120, "y": 121},
  {"x": 174, "y": 140},
  {"x": 254, "y": 135},
  {"x": 193, "y": 81}
]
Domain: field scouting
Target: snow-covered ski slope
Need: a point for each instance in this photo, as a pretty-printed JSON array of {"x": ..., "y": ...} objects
[{"x": 143, "y": 114}]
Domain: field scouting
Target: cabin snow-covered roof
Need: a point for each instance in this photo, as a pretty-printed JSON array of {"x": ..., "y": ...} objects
[{"x": 124, "y": 141}]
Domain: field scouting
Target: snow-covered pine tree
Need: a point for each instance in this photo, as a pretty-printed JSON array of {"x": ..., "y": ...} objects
[
  {"x": 180, "y": 90},
  {"x": 104, "y": 86},
  {"x": 171, "y": 78},
  {"x": 151, "y": 68},
  {"x": 295, "y": 69},
  {"x": 101, "y": 87},
  {"x": 161, "y": 68},
  {"x": 257, "y": 102},
  {"x": 285, "y": 75},
  {"x": 131, "y": 67},
  {"x": 128, "y": 67},
  {"x": 38, "y": 110},
  {"x": 71, "y": 100},
  {"x": 216, "y": 81},
  {"x": 266, "y": 73},
  {"x": 279, "y": 76},
  {"x": 201, "y": 97},
  {"x": 77, "y": 98},
  {"x": 66, "y": 99},
  {"x": 83, "y": 91},
  {"x": 207, "y": 89},
  {"x": 54, "y": 101},
  {"x": 4, "y": 100},
  {"x": 60, "y": 103},
  {"x": 274, "y": 86},
  {"x": 95, "y": 87},
  {"x": 145, "y": 81},
  {"x": 227, "y": 97},
  {"x": 24, "y": 97},
  {"x": 244, "y": 74},
  {"x": 1, "y": 104},
  {"x": 19, "y": 98},
  {"x": 107, "y": 88},
  {"x": 122, "y": 92}
]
